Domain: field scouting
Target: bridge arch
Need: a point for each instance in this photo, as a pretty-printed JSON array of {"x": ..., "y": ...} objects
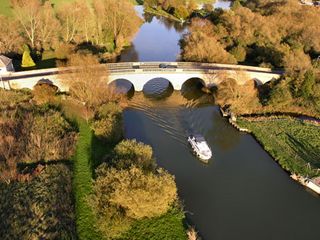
[
  {"x": 123, "y": 86},
  {"x": 46, "y": 82},
  {"x": 192, "y": 88},
  {"x": 158, "y": 87}
]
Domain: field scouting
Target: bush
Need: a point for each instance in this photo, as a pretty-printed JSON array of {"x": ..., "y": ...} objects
[
  {"x": 131, "y": 152},
  {"x": 239, "y": 53},
  {"x": 26, "y": 58},
  {"x": 63, "y": 51},
  {"x": 110, "y": 108},
  {"x": 107, "y": 124},
  {"x": 44, "y": 93},
  {"x": 181, "y": 12},
  {"x": 50, "y": 137},
  {"x": 280, "y": 94},
  {"x": 121, "y": 196},
  {"x": 307, "y": 85},
  {"x": 39, "y": 209},
  {"x": 10, "y": 98}
]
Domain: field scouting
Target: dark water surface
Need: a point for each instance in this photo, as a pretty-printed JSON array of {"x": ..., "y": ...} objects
[{"x": 242, "y": 193}]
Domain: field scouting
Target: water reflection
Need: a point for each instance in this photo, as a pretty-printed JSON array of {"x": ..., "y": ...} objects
[
  {"x": 123, "y": 86},
  {"x": 192, "y": 89},
  {"x": 158, "y": 88},
  {"x": 157, "y": 40},
  {"x": 240, "y": 187}
]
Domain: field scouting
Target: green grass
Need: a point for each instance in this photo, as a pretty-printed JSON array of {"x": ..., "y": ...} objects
[
  {"x": 90, "y": 150},
  {"x": 5, "y": 8},
  {"x": 41, "y": 208},
  {"x": 293, "y": 143},
  {"x": 82, "y": 180},
  {"x": 169, "y": 226}
]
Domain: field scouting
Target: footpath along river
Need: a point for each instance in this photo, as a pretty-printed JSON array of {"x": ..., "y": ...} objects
[{"x": 242, "y": 193}]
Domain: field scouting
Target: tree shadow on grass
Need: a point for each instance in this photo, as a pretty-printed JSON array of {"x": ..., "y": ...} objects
[
  {"x": 100, "y": 150},
  {"x": 305, "y": 151}
]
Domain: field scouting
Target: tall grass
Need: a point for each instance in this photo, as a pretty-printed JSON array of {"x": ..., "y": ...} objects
[
  {"x": 82, "y": 178},
  {"x": 293, "y": 143}
]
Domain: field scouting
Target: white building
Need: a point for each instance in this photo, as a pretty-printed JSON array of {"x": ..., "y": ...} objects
[{"x": 5, "y": 65}]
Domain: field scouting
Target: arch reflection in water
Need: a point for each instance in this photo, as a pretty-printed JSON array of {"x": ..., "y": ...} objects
[
  {"x": 192, "y": 89},
  {"x": 123, "y": 86},
  {"x": 158, "y": 88}
]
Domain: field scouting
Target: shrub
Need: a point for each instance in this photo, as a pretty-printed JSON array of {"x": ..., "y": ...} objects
[
  {"x": 63, "y": 51},
  {"x": 107, "y": 124},
  {"x": 110, "y": 108},
  {"x": 280, "y": 94},
  {"x": 44, "y": 93},
  {"x": 307, "y": 85},
  {"x": 13, "y": 97},
  {"x": 50, "y": 137},
  {"x": 26, "y": 58},
  {"x": 239, "y": 53},
  {"x": 120, "y": 196},
  {"x": 181, "y": 12},
  {"x": 131, "y": 152},
  {"x": 39, "y": 209}
]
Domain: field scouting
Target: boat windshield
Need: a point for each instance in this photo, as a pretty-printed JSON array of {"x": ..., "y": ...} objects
[{"x": 199, "y": 138}]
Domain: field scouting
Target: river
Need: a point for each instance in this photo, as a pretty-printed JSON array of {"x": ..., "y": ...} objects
[{"x": 242, "y": 193}]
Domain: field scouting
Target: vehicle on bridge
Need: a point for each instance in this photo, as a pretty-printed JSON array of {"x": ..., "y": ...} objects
[{"x": 165, "y": 65}]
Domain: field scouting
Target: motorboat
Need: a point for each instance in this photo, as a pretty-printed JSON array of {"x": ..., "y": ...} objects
[{"x": 200, "y": 146}]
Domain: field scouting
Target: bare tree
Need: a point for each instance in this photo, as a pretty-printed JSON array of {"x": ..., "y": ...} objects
[
  {"x": 117, "y": 17},
  {"x": 37, "y": 20},
  {"x": 7, "y": 34},
  {"x": 87, "y": 81},
  {"x": 75, "y": 18},
  {"x": 49, "y": 26},
  {"x": 27, "y": 12}
]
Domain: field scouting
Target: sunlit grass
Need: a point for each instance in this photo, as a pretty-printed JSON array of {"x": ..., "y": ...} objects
[
  {"x": 5, "y": 8},
  {"x": 293, "y": 143},
  {"x": 82, "y": 179}
]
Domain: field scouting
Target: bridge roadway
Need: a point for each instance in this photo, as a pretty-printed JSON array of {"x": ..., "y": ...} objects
[{"x": 139, "y": 73}]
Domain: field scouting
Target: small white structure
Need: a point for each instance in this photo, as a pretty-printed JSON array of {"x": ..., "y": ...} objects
[
  {"x": 314, "y": 184},
  {"x": 5, "y": 65},
  {"x": 200, "y": 147}
]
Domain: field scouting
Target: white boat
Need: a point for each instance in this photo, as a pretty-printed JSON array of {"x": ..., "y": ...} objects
[{"x": 200, "y": 147}]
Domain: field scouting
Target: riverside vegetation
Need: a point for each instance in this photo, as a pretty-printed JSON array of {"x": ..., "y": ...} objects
[
  {"x": 55, "y": 29},
  {"x": 293, "y": 143},
  {"x": 35, "y": 170},
  {"x": 255, "y": 32},
  {"x": 82, "y": 185}
]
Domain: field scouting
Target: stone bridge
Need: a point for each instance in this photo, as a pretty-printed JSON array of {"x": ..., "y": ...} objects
[{"x": 139, "y": 73}]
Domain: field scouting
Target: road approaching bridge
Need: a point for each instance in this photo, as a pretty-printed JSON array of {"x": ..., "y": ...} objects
[{"x": 139, "y": 73}]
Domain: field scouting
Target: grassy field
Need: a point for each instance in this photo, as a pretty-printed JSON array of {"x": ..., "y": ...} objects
[
  {"x": 89, "y": 151},
  {"x": 6, "y": 10},
  {"x": 168, "y": 226},
  {"x": 41, "y": 208},
  {"x": 293, "y": 143},
  {"x": 5, "y": 7},
  {"x": 82, "y": 180}
]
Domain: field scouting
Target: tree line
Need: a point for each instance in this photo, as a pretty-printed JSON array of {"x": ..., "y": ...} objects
[
  {"x": 181, "y": 9},
  {"x": 276, "y": 34},
  {"x": 106, "y": 25}
]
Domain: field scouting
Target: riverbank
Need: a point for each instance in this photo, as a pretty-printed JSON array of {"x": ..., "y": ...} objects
[
  {"x": 162, "y": 13},
  {"x": 293, "y": 143},
  {"x": 90, "y": 151}
]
